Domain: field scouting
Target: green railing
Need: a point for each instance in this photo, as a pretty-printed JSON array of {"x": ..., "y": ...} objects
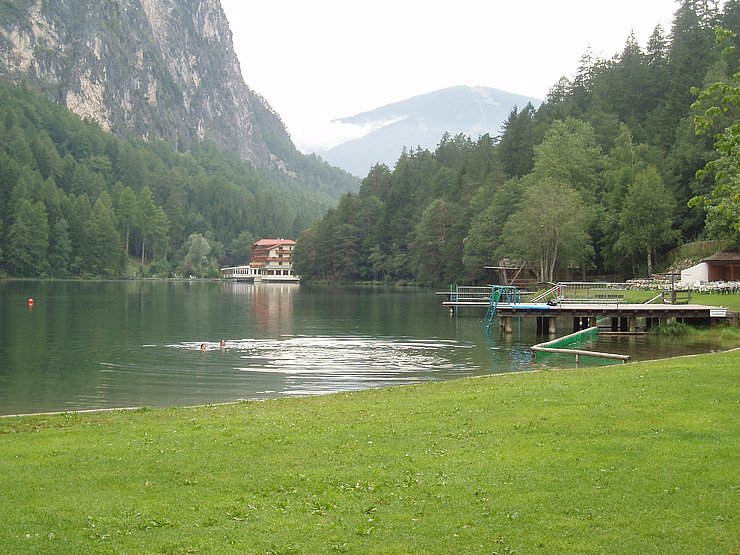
[
  {"x": 506, "y": 294},
  {"x": 559, "y": 346}
]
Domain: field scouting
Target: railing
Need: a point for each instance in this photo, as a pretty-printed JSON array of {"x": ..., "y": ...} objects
[
  {"x": 470, "y": 293},
  {"x": 507, "y": 294},
  {"x": 589, "y": 289},
  {"x": 551, "y": 293},
  {"x": 591, "y": 292},
  {"x": 583, "y": 292},
  {"x": 551, "y": 347}
]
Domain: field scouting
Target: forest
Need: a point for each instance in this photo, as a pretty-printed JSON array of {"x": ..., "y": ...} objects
[
  {"x": 76, "y": 201},
  {"x": 622, "y": 162}
]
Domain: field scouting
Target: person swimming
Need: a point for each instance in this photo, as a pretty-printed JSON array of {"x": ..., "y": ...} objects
[
  {"x": 203, "y": 347},
  {"x": 222, "y": 344}
]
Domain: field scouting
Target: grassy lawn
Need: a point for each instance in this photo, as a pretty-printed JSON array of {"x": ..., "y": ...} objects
[
  {"x": 731, "y": 301},
  {"x": 637, "y": 458}
]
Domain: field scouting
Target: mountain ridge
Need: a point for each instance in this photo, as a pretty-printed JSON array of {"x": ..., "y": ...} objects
[
  {"x": 421, "y": 121},
  {"x": 150, "y": 69}
]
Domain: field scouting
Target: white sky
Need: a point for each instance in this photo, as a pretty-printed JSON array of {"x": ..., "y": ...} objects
[{"x": 319, "y": 60}]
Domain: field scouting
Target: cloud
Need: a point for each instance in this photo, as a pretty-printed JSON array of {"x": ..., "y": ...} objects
[{"x": 318, "y": 136}]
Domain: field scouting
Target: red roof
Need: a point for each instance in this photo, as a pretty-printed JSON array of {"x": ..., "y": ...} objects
[{"x": 274, "y": 242}]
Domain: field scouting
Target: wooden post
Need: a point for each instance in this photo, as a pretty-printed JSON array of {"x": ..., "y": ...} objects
[
  {"x": 507, "y": 324},
  {"x": 551, "y": 325}
]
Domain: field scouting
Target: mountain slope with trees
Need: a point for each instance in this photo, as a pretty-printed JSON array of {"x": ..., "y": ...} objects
[
  {"x": 78, "y": 201},
  {"x": 148, "y": 69},
  {"x": 618, "y": 165},
  {"x": 169, "y": 151},
  {"x": 421, "y": 121}
]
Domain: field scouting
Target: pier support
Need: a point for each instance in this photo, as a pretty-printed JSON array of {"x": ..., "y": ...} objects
[
  {"x": 546, "y": 324},
  {"x": 506, "y": 324},
  {"x": 624, "y": 324}
]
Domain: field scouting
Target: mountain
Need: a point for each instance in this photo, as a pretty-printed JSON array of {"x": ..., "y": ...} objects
[
  {"x": 421, "y": 121},
  {"x": 152, "y": 70},
  {"x": 155, "y": 69}
]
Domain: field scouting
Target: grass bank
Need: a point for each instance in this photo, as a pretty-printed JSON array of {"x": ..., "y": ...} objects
[{"x": 625, "y": 459}]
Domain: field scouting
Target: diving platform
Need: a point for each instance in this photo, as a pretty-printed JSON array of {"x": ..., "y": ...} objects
[{"x": 505, "y": 303}]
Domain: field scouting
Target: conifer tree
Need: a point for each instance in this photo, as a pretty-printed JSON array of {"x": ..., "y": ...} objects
[{"x": 28, "y": 240}]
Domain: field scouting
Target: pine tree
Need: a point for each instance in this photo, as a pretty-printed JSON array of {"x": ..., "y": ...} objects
[
  {"x": 28, "y": 240},
  {"x": 60, "y": 249},
  {"x": 104, "y": 255},
  {"x": 516, "y": 147}
]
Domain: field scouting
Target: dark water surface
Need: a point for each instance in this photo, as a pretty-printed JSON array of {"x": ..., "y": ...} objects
[{"x": 104, "y": 344}]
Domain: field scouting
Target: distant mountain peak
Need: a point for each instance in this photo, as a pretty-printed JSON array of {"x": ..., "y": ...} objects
[{"x": 421, "y": 121}]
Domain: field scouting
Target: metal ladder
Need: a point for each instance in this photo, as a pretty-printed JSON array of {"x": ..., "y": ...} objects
[{"x": 510, "y": 295}]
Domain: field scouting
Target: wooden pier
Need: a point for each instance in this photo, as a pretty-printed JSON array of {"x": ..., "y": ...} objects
[{"x": 585, "y": 312}]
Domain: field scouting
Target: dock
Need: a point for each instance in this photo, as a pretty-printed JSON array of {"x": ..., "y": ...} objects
[{"x": 580, "y": 304}]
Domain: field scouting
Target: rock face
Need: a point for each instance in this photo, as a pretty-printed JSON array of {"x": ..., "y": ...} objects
[{"x": 153, "y": 69}]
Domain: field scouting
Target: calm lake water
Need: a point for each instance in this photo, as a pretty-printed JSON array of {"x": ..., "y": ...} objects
[{"x": 105, "y": 344}]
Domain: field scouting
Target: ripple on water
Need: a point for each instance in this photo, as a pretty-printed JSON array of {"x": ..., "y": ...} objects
[{"x": 318, "y": 365}]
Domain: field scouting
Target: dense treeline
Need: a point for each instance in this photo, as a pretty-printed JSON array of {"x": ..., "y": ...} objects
[
  {"x": 76, "y": 201},
  {"x": 599, "y": 179}
]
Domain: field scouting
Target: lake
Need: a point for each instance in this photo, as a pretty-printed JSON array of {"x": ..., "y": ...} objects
[{"x": 106, "y": 344}]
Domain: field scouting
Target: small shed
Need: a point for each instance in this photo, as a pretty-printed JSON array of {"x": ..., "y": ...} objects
[{"x": 722, "y": 266}]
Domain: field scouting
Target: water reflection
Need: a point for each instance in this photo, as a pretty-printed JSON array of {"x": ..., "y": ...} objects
[
  {"x": 312, "y": 365},
  {"x": 90, "y": 345},
  {"x": 270, "y": 304}
]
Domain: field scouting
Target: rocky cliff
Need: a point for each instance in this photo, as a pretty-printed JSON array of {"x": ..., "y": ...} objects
[{"x": 154, "y": 69}]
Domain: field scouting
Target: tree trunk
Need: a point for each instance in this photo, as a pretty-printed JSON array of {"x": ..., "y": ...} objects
[
  {"x": 143, "y": 242},
  {"x": 650, "y": 264}
]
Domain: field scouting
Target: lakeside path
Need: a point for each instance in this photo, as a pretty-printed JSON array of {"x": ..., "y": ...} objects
[{"x": 629, "y": 458}]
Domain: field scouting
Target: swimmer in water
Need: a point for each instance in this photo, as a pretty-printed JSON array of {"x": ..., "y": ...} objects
[
  {"x": 222, "y": 344},
  {"x": 203, "y": 347}
]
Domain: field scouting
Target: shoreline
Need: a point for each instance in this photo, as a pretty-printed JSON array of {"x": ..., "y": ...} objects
[{"x": 262, "y": 400}]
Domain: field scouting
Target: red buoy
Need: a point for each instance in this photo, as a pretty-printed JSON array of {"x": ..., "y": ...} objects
[{"x": 30, "y": 302}]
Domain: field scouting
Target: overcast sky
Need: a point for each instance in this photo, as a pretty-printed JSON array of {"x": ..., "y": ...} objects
[{"x": 319, "y": 60}]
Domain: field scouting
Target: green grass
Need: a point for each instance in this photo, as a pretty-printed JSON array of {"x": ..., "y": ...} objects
[
  {"x": 730, "y": 301},
  {"x": 637, "y": 458},
  {"x": 674, "y": 329}
]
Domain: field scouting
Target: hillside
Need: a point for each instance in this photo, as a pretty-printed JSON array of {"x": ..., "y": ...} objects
[
  {"x": 152, "y": 70},
  {"x": 629, "y": 158},
  {"x": 79, "y": 201},
  {"x": 420, "y": 122}
]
